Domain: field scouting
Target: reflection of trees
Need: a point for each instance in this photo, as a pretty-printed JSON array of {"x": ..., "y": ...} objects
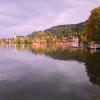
[
  {"x": 67, "y": 54},
  {"x": 24, "y": 47},
  {"x": 39, "y": 49},
  {"x": 93, "y": 67},
  {"x": 92, "y": 61}
]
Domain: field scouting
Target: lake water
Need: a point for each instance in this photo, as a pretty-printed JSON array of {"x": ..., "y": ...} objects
[{"x": 49, "y": 73}]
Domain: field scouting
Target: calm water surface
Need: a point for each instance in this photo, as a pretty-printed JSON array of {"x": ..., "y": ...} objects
[{"x": 49, "y": 73}]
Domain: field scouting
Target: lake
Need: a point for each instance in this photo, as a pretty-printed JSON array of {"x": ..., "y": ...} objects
[{"x": 49, "y": 73}]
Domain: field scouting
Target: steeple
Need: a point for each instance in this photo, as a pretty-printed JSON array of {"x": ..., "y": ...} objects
[{"x": 14, "y": 36}]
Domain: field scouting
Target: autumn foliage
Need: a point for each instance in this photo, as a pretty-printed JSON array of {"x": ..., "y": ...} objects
[{"x": 92, "y": 26}]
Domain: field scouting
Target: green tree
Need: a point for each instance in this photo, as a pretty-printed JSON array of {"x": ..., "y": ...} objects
[
  {"x": 66, "y": 32},
  {"x": 18, "y": 40},
  {"x": 28, "y": 40},
  {"x": 41, "y": 35}
]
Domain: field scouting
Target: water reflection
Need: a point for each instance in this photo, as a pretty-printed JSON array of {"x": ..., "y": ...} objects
[
  {"x": 52, "y": 72},
  {"x": 91, "y": 58}
]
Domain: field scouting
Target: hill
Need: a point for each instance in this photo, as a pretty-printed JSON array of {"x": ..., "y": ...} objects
[
  {"x": 66, "y": 28},
  {"x": 63, "y": 29}
]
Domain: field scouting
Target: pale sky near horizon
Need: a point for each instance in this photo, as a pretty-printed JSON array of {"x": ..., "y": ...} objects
[{"x": 27, "y": 16}]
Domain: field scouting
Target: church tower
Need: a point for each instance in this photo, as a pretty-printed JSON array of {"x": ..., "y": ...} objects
[{"x": 14, "y": 36}]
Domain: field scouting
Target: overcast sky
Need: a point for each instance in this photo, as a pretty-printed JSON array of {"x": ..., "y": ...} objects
[{"x": 26, "y": 16}]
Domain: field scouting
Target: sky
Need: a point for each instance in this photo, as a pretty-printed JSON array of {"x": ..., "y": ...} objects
[{"x": 26, "y": 16}]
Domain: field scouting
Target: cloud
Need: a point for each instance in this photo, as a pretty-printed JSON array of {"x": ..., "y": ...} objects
[{"x": 26, "y": 16}]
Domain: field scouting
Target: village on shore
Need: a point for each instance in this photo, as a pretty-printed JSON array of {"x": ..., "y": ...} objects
[{"x": 42, "y": 39}]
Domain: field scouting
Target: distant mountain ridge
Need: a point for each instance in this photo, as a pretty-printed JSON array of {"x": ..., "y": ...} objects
[
  {"x": 71, "y": 27},
  {"x": 60, "y": 28}
]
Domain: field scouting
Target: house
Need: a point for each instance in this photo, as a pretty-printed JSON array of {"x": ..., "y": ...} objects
[{"x": 74, "y": 40}]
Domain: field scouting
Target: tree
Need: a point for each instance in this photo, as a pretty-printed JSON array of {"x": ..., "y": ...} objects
[
  {"x": 66, "y": 32},
  {"x": 28, "y": 40},
  {"x": 92, "y": 26},
  {"x": 18, "y": 40},
  {"x": 41, "y": 35}
]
